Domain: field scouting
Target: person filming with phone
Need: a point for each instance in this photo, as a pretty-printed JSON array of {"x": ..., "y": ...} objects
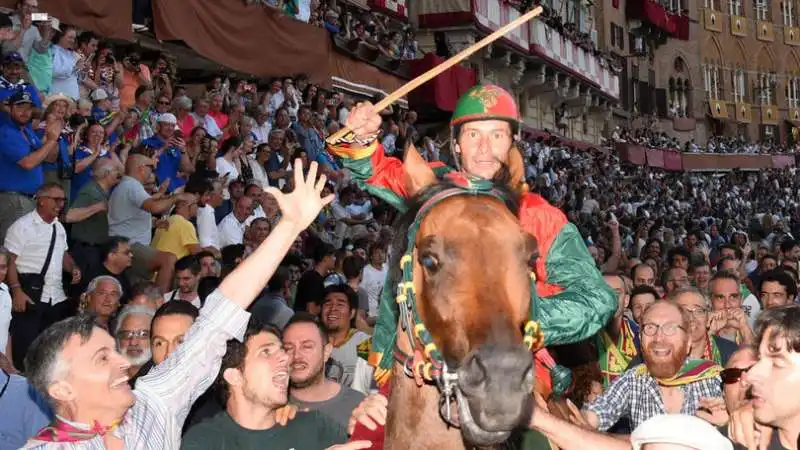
[{"x": 174, "y": 163}]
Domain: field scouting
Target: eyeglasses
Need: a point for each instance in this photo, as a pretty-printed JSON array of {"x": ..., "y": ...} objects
[
  {"x": 669, "y": 329},
  {"x": 697, "y": 312},
  {"x": 134, "y": 334},
  {"x": 733, "y": 374}
]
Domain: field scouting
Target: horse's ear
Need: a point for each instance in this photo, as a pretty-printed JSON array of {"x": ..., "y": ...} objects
[
  {"x": 516, "y": 166},
  {"x": 417, "y": 172}
]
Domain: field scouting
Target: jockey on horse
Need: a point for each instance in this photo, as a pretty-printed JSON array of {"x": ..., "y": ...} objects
[{"x": 484, "y": 127}]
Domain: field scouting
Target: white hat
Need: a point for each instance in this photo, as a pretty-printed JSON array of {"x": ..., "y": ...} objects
[
  {"x": 98, "y": 94},
  {"x": 167, "y": 118},
  {"x": 679, "y": 429}
]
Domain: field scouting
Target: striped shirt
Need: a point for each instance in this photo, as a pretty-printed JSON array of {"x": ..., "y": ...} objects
[{"x": 165, "y": 395}]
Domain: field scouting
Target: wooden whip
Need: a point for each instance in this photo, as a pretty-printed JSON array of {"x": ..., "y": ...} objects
[{"x": 436, "y": 71}]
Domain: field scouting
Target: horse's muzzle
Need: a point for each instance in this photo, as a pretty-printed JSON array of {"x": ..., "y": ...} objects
[{"x": 496, "y": 382}]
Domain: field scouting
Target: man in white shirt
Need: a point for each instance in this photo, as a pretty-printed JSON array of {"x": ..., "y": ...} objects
[
  {"x": 209, "y": 196},
  {"x": 263, "y": 126},
  {"x": 234, "y": 225},
  {"x": 201, "y": 118},
  {"x": 187, "y": 275},
  {"x": 34, "y": 271}
]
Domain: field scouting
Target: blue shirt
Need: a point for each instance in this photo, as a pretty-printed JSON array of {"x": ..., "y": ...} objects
[
  {"x": 310, "y": 140},
  {"x": 13, "y": 148},
  {"x": 80, "y": 179},
  {"x": 23, "y": 412},
  {"x": 64, "y": 158},
  {"x": 7, "y": 89},
  {"x": 169, "y": 163}
]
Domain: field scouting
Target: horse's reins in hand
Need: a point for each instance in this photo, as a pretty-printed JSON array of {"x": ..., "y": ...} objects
[{"x": 426, "y": 364}]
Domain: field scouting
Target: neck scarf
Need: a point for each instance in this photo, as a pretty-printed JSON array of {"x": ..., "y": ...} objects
[
  {"x": 60, "y": 430},
  {"x": 693, "y": 370},
  {"x": 711, "y": 351},
  {"x": 614, "y": 357}
]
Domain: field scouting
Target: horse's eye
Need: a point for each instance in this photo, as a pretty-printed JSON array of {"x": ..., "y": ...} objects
[{"x": 429, "y": 262}]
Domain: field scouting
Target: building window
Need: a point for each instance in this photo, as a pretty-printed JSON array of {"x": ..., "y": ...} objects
[
  {"x": 711, "y": 80},
  {"x": 735, "y": 7},
  {"x": 679, "y": 90},
  {"x": 635, "y": 88},
  {"x": 712, "y": 4},
  {"x": 787, "y": 11},
  {"x": 676, "y": 6},
  {"x": 765, "y": 88},
  {"x": 762, "y": 9},
  {"x": 793, "y": 92},
  {"x": 739, "y": 86}
]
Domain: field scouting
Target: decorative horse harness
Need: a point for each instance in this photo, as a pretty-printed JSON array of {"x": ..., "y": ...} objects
[{"x": 427, "y": 365}]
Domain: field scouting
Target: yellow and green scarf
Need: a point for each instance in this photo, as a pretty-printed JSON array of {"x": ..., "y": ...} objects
[
  {"x": 614, "y": 357},
  {"x": 693, "y": 370}
]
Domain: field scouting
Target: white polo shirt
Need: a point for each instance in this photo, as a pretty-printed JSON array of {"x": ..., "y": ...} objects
[{"x": 29, "y": 238}]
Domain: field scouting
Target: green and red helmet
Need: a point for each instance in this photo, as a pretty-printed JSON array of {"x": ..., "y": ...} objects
[{"x": 486, "y": 102}]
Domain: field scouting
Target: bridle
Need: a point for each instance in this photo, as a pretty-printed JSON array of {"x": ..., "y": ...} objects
[{"x": 426, "y": 365}]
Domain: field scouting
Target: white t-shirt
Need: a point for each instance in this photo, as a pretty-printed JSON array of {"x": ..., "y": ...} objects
[
  {"x": 207, "y": 231},
  {"x": 175, "y": 295},
  {"x": 231, "y": 231},
  {"x": 372, "y": 280},
  {"x": 5, "y": 316},
  {"x": 228, "y": 172}
]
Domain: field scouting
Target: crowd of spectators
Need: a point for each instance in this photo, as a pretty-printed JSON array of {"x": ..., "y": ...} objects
[
  {"x": 130, "y": 197},
  {"x": 647, "y": 137}
]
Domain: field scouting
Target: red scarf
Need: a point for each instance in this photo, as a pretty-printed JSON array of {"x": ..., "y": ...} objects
[{"x": 61, "y": 431}]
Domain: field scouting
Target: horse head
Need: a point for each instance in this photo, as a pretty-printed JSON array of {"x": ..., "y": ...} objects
[{"x": 469, "y": 262}]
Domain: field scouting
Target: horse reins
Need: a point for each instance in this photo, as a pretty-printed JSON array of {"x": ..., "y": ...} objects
[{"x": 426, "y": 364}]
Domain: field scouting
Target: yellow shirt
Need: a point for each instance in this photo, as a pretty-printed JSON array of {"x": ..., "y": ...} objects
[{"x": 177, "y": 238}]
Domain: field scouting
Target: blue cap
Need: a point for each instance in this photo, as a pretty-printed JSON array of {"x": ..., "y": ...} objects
[
  {"x": 12, "y": 58},
  {"x": 20, "y": 97}
]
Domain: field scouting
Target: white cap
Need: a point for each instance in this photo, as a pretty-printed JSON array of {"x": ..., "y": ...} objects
[
  {"x": 98, "y": 94},
  {"x": 679, "y": 429},
  {"x": 167, "y": 118}
]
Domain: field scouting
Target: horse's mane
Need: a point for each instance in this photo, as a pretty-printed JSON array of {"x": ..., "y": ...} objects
[{"x": 501, "y": 182}]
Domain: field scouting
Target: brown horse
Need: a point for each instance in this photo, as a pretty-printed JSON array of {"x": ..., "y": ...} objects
[{"x": 470, "y": 270}]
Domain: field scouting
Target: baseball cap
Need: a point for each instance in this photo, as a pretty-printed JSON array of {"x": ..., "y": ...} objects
[
  {"x": 19, "y": 98},
  {"x": 13, "y": 57},
  {"x": 167, "y": 118},
  {"x": 99, "y": 94},
  {"x": 679, "y": 429}
]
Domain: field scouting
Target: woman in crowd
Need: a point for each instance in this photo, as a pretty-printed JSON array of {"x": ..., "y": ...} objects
[
  {"x": 66, "y": 63},
  {"x": 108, "y": 73}
]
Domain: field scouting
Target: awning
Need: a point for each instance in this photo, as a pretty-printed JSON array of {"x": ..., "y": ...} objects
[
  {"x": 253, "y": 39},
  {"x": 110, "y": 18},
  {"x": 363, "y": 90}
]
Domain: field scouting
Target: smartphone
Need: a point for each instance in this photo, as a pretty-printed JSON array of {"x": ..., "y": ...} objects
[{"x": 40, "y": 17}]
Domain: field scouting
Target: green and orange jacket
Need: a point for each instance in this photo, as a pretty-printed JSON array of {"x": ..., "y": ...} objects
[{"x": 576, "y": 302}]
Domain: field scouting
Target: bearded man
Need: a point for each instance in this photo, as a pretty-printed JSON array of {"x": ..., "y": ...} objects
[
  {"x": 667, "y": 383},
  {"x": 133, "y": 336}
]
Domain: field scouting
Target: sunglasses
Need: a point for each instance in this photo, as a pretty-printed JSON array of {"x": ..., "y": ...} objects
[{"x": 733, "y": 374}]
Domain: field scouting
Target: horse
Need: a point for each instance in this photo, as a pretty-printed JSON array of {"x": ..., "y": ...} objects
[{"x": 463, "y": 373}]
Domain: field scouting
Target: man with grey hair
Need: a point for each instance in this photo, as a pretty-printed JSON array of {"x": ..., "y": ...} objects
[
  {"x": 262, "y": 126},
  {"x": 705, "y": 344},
  {"x": 133, "y": 335},
  {"x": 102, "y": 299},
  {"x": 88, "y": 214},
  {"x": 37, "y": 245},
  {"x": 203, "y": 119}
]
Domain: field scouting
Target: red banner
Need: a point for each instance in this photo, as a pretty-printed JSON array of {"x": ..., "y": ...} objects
[
  {"x": 655, "y": 157},
  {"x": 673, "y": 161},
  {"x": 631, "y": 153},
  {"x": 782, "y": 161}
]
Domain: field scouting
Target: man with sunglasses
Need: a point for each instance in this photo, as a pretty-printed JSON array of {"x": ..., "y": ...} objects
[
  {"x": 37, "y": 245},
  {"x": 734, "y": 382},
  {"x": 668, "y": 382}
]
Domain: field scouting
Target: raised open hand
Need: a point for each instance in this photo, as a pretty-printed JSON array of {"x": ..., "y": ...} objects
[{"x": 304, "y": 203}]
